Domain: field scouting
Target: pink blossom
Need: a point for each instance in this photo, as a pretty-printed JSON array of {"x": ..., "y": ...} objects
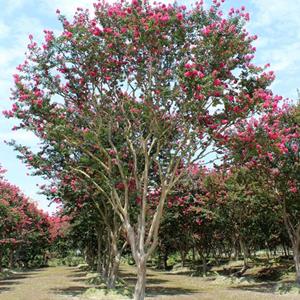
[
  {"x": 165, "y": 18},
  {"x": 217, "y": 82},
  {"x": 188, "y": 74},
  {"x": 53, "y": 190},
  {"x": 206, "y": 31},
  {"x": 96, "y": 31},
  {"x": 179, "y": 16},
  {"x": 68, "y": 34}
]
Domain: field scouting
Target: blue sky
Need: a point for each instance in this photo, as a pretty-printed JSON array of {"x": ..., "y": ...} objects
[{"x": 276, "y": 22}]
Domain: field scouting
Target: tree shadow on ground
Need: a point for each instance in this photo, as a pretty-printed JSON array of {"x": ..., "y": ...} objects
[
  {"x": 267, "y": 287},
  {"x": 156, "y": 287},
  {"x": 77, "y": 275},
  {"x": 13, "y": 277},
  {"x": 70, "y": 291},
  {"x": 125, "y": 273},
  {"x": 80, "y": 269},
  {"x": 20, "y": 275},
  {"x": 257, "y": 287},
  {"x": 158, "y": 290},
  {"x": 83, "y": 279},
  {"x": 130, "y": 278},
  {"x": 4, "y": 289},
  {"x": 7, "y": 284}
]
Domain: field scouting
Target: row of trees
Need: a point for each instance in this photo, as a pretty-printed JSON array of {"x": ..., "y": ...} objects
[
  {"x": 130, "y": 104},
  {"x": 223, "y": 214},
  {"x": 26, "y": 232}
]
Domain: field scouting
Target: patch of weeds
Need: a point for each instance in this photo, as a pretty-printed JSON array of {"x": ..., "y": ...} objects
[
  {"x": 232, "y": 280},
  {"x": 288, "y": 288},
  {"x": 103, "y": 293},
  {"x": 6, "y": 273},
  {"x": 96, "y": 280},
  {"x": 71, "y": 261}
]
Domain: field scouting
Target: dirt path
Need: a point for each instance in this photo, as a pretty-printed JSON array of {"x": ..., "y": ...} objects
[
  {"x": 66, "y": 283},
  {"x": 57, "y": 283}
]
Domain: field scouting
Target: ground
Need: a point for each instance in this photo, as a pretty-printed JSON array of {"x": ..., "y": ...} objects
[{"x": 59, "y": 283}]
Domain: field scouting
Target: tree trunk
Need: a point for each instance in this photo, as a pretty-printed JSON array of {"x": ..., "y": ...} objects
[
  {"x": 11, "y": 258},
  {"x": 139, "y": 291},
  {"x": 294, "y": 235},
  {"x": 235, "y": 249},
  {"x": 183, "y": 256},
  {"x": 267, "y": 251},
  {"x": 296, "y": 252},
  {"x": 165, "y": 260},
  {"x": 285, "y": 253},
  {"x": 105, "y": 264},
  {"x": 138, "y": 241},
  {"x": 99, "y": 249},
  {"x": 193, "y": 256},
  {"x": 111, "y": 281},
  {"x": 216, "y": 257},
  {"x": 1, "y": 256},
  {"x": 297, "y": 264},
  {"x": 113, "y": 273},
  {"x": 204, "y": 265},
  {"x": 245, "y": 251}
]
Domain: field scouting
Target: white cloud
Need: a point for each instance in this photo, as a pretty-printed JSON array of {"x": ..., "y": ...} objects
[
  {"x": 13, "y": 53},
  {"x": 67, "y": 7},
  {"x": 277, "y": 24},
  {"x": 11, "y": 5},
  {"x": 276, "y": 13},
  {"x": 9, "y": 56}
]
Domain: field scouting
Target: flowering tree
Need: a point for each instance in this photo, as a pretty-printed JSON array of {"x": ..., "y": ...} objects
[
  {"x": 141, "y": 93},
  {"x": 81, "y": 201},
  {"x": 24, "y": 229},
  {"x": 272, "y": 147}
]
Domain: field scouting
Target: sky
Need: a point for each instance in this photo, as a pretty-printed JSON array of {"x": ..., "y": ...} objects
[{"x": 276, "y": 22}]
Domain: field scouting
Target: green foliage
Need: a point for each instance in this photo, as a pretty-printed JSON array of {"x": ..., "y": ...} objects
[
  {"x": 288, "y": 288},
  {"x": 108, "y": 294},
  {"x": 71, "y": 261}
]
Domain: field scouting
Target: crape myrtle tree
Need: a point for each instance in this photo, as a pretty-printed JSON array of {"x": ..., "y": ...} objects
[
  {"x": 144, "y": 92},
  {"x": 190, "y": 221},
  {"x": 85, "y": 206},
  {"x": 24, "y": 229},
  {"x": 221, "y": 211},
  {"x": 83, "y": 203},
  {"x": 272, "y": 152},
  {"x": 244, "y": 209},
  {"x": 96, "y": 230},
  {"x": 252, "y": 210},
  {"x": 176, "y": 232}
]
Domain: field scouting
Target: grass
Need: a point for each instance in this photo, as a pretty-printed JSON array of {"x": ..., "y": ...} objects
[{"x": 260, "y": 282}]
